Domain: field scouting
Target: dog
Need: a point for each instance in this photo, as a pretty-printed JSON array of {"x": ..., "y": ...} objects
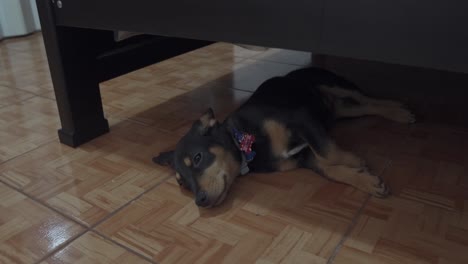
[{"x": 284, "y": 125}]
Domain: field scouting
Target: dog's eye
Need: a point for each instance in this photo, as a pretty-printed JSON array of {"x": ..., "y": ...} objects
[{"x": 197, "y": 159}]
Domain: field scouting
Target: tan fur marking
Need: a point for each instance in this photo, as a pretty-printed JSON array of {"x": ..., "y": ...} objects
[
  {"x": 347, "y": 168},
  {"x": 357, "y": 177},
  {"x": 286, "y": 165},
  {"x": 396, "y": 114},
  {"x": 341, "y": 92},
  {"x": 217, "y": 178},
  {"x": 177, "y": 175},
  {"x": 278, "y": 135},
  {"x": 230, "y": 165},
  {"x": 337, "y": 156},
  {"x": 388, "y": 109},
  {"x": 187, "y": 162}
]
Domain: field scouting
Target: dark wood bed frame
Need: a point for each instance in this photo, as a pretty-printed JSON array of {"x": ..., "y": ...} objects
[{"x": 78, "y": 36}]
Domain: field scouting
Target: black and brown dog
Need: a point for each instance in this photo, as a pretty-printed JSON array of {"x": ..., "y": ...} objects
[{"x": 284, "y": 125}]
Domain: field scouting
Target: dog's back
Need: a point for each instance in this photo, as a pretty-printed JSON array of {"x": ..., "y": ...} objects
[
  {"x": 321, "y": 77},
  {"x": 294, "y": 98},
  {"x": 278, "y": 110}
]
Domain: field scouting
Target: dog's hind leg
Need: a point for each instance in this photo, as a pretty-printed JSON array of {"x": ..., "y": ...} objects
[
  {"x": 342, "y": 166},
  {"x": 349, "y": 102},
  {"x": 397, "y": 114},
  {"x": 329, "y": 160},
  {"x": 334, "y": 155},
  {"x": 359, "y": 178},
  {"x": 354, "y": 94}
]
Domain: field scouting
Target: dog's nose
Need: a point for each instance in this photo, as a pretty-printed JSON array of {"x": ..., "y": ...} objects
[{"x": 201, "y": 199}]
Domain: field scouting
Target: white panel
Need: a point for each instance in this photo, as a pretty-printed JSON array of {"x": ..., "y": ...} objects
[{"x": 18, "y": 18}]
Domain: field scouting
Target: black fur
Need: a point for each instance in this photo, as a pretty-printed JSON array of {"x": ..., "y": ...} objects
[{"x": 297, "y": 101}]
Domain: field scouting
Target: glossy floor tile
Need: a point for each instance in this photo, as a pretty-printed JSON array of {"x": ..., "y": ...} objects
[
  {"x": 178, "y": 114},
  {"x": 141, "y": 97},
  {"x": 250, "y": 74},
  {"x": 92, "y": 248},
  {"x": 267, "y": 218},
  {"x": 293, "y": 57},
  {"x": 26, "y": 125},
  {"x": 28, "y": 230},
  {"x": 106, "y": 202},
  {"x": 425, "y": 220},
  {"x": 227, "y": 50},
  {"x": 89, "y": 183},
  {"x": 25, "y": 70},
  {"x": 402, "y": 230},
  {"x": 9, "y": 96}
]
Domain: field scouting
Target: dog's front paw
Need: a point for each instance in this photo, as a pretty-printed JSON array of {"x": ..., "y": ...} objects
[
  {"x": 369, "y": 183},
  {"x": 380, "y": 189},
  {"x": 374, "y": 185},
  {"x": 402, "y": 115},
  {"x": 353, "y": 161}
]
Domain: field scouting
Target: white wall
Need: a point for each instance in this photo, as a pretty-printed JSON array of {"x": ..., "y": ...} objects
[{"x": 18, "y": 17}]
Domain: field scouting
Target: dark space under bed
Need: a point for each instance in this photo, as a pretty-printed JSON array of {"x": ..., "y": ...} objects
[{"x": 82, "y": 52}]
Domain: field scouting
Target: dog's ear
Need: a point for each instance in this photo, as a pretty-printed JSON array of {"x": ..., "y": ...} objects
[
  {"x": 208, "y": 118},
  {"x": 165, "y": 159},
  {"x": 206, "y": 121}
]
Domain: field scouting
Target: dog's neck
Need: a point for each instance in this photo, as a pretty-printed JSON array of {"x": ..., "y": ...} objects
[{"x": 243, "y": 142}]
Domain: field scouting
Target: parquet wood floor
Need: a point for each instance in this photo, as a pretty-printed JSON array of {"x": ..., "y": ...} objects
[{"x": 105, "y": 202}]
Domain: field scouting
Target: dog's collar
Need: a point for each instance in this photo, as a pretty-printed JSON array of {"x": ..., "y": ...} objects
[{"x": 244, "y": 142}]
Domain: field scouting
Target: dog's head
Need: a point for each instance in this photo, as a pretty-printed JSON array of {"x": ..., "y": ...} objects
[{"x": 206, "y": 161}]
